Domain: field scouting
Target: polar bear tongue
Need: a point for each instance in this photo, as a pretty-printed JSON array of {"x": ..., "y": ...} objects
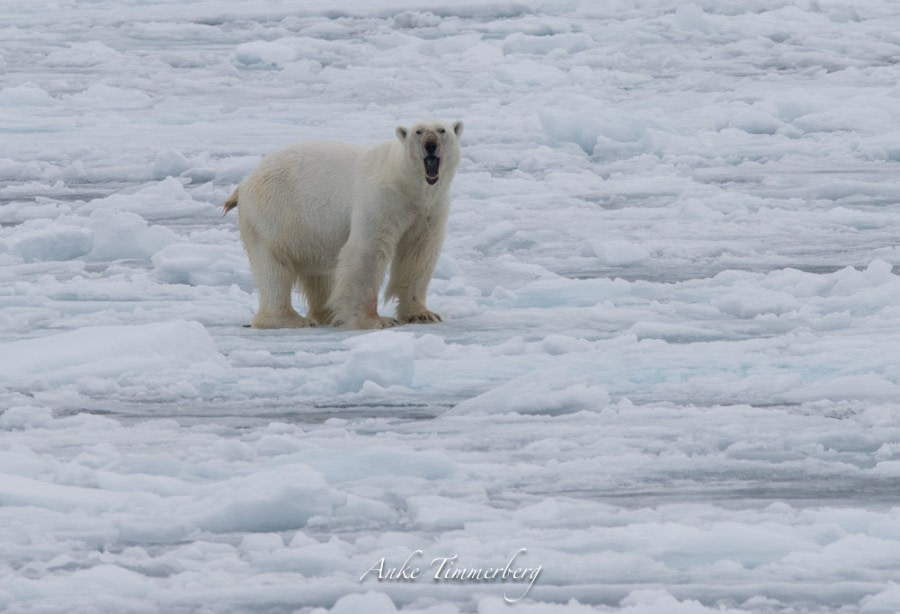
[{"x": 432, "y": 164}]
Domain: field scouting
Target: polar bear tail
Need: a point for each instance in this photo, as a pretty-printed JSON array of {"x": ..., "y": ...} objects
[{"x": 232, "y": 202}]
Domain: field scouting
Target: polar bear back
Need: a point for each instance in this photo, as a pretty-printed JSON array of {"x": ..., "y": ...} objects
[{"x": 299, "y": 200}]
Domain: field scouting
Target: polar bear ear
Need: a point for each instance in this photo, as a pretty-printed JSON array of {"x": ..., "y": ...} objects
[
  {"x": 458, "y": 128},
  {"x": 401, "y": 133}
]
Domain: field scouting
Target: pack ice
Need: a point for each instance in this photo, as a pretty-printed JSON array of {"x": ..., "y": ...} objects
[{"x": 670, "y": 362}]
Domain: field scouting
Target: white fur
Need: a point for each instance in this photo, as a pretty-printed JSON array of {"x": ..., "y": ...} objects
[{"x": 329, "y": 217}]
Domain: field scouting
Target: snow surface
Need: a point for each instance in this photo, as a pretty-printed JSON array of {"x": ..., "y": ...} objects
[{"x": 670, "y": 361}]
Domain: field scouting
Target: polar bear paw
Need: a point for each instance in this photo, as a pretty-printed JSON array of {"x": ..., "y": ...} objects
[
  {"x": 290, "y": 319},
  {"x": 424, "y": 316},
  {"x": 368, "y": 323}
]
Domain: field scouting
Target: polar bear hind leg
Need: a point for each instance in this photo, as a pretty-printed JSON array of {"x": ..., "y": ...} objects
[
  {"x": 274, "y": 281},
  {"x": 316, "y": 290}
]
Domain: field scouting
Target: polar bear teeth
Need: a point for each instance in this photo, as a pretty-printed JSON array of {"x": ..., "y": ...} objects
[{"x": 432, "y": 164}]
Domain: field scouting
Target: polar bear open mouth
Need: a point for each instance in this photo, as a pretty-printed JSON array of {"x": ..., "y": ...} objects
[{"x": 432, "y": 165}]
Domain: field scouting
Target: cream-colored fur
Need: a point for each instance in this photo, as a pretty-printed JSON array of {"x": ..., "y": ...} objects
[{"x": 329, "y": 217}]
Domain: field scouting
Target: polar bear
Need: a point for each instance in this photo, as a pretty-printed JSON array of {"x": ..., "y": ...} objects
[{"x": 329, "y": 217}]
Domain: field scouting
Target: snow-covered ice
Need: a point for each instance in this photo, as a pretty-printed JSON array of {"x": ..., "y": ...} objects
[{"x": 670, "y": 362}]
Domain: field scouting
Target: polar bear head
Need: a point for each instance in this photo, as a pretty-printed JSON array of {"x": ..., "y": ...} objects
[{"x": 432, "y": 147}]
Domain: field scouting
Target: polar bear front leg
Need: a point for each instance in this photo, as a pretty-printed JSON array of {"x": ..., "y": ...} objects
[
  {"x": 417, "y": 254},
  {"x": 360, "y": 269}
]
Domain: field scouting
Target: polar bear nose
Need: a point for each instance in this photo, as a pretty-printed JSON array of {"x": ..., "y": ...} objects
[{"x": 431, "y": 147}]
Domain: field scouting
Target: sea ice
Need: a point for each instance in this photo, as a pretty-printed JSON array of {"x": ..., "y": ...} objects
[{"x": 668, "y": 366}]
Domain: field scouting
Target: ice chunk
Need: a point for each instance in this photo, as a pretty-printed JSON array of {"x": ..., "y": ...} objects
[
  {"x": 691, "y": 17},
  {"x": 861, "y": 386},
  {"x": 163, "y": 199},
  {"x": 620, "y": 253},
  {"x": 888, "y": 600},
  {"x": 652, "y": 601},
  {"x": 447, "y": 267},
  {"x": 107, "y": 350},
  {"x": 386, "y": 358},
  {"x": 435, "y": 512},
  {"x": 755, "y": 121},
  {"x": 376, "y": 603},
  {"x": 266, "y": 502},
  {"x": 588, "y": 126},
  {"x": 261, "y": 542},
  {"x": 120, "y": 235},
  {"x": 50, "y": 242},
  {"x": 879, "y": 272},
  {"x": 494, "y": 235},
  {"x": 109, "y": 96},
  {"x": 542, "y": 45},
  {"x": 25, "y": 416},
  {"x": 27, "y": 492},
  {"x": 201, "y": 264},
  {"x": 84, "y": 55},
  {"x": 756, "y": 302},
  {"x": 557, "y": 345},
  {"x": 169, "y": 163},
  {"x": 263, "y": 53},
  {"x": 235, "y": 168},
  {"x": 569, "y": 292},
  {"x": 25, "y": 95},
  {"x": 551, "y": 392},
  {"x": 379, "y": 461}
]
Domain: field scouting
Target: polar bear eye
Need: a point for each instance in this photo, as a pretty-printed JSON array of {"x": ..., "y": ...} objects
[
  {"x": 419, "y": 132},
  {"x": 441, "y": 130}
]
